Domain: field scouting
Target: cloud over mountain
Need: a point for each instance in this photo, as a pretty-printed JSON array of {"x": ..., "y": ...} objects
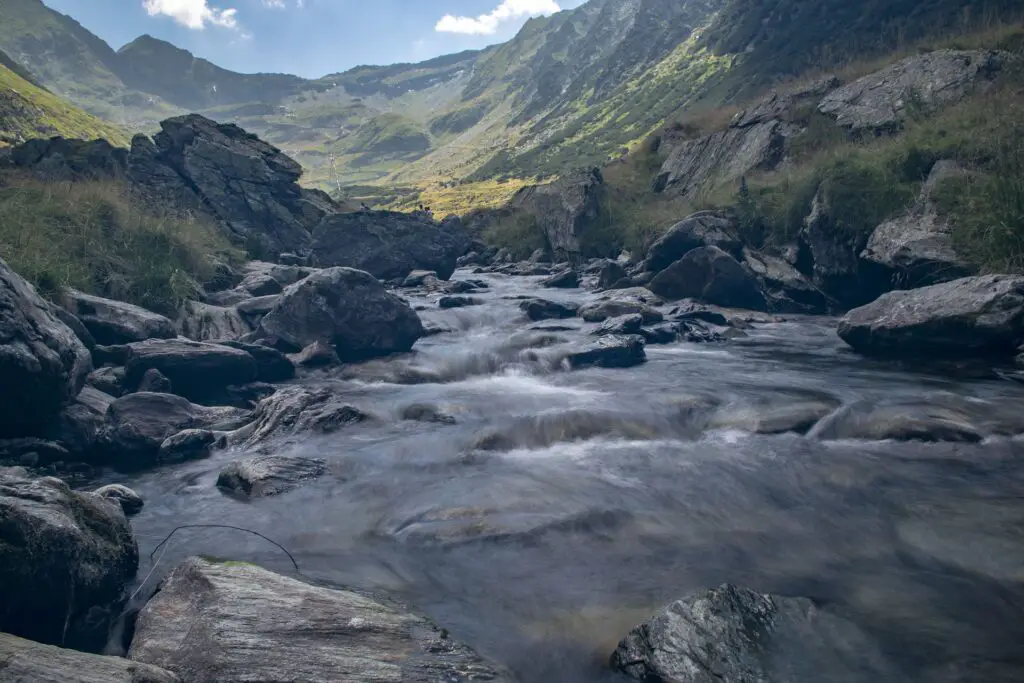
[{"x": 487, "y": 24}]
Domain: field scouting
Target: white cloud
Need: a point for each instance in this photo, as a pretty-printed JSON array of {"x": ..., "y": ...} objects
[
  {"x": 194, "y": 14},
  {"x": 486, "y": 24}
]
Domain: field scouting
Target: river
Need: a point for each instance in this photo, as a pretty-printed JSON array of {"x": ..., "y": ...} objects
[{"x": 605, "y": 499}]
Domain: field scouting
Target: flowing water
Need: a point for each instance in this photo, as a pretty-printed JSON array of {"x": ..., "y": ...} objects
[{"x": 599, "y": 495}]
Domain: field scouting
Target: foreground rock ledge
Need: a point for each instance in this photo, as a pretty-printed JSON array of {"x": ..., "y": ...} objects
[
  {"x": 25, "y": 661},
  {"x": 222, "y": 622},
  {"x": 734, "y": 635}
]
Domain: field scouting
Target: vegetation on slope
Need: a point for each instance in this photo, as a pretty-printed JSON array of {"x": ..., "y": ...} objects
[{"x": 92, "y": 236}]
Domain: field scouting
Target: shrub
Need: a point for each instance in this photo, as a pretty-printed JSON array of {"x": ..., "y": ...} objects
[{"x": 94, "y": 237}]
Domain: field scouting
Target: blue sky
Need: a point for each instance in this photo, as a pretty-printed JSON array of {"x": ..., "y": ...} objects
[{"x": 310, "y": 37}]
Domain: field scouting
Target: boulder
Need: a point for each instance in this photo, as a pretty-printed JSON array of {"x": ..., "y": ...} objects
[
  {"x": 294, "y": 411},
  {"x": 457, "y": 302},
  {"x": 420, "y": 278},
  {"x": 32, "y": 452},
  {"x": 209, "y": 618},
  {"x": 79, "y": 425},
  {"x": 565, "y": 211},
  {"x": 710, "y": 275},
  {"x": 346, "y": 308},
  {"x": 733, "y": 634},
  {"x": 269, "y": 475},
  {"x": 610, "y": 274},
  {"x": 115, "y": 322},
  {"x": 425, "y": 412},
  {"x": 565, "y": 279},
  {"x": 974, "y": 316},
  {"x": 624, "y": 324},
  {"x": 316, "y": 355},
  {"x": 255, "y": 308},
  {"x": 205, "y": 322},
  {"x": 908, "y": 422},
  {"x": 25, "y": 661},
  {"x": 188, "y": 444},
  {"x": 542, "y": 309},
  {"x": 833, "y": 253},
  {"x": 155, "y": 382},
  {"x": 197, "y": 370},
  {"x": 612, "y": 351},
  {"x": 704, "y": 229},
  {"x": 389, "y": 245},
  {"x": 116, "y": 354},
  {"x": 921, "y": 84},
  {"x": 65, "y": 559},
  {"x": 271, "y": 364},
  {"x": 261, "y": 278},
  {"x": 39, "y": 355},
  {"x": 600, "y": 311},
  {"x": 107, "y": 380},
  {"x": 129, "y": 501},
  {"x": 786, "y": 288}
]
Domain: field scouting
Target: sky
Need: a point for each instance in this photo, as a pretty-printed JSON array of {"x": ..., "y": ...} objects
[{"x": 310, "y": 38}]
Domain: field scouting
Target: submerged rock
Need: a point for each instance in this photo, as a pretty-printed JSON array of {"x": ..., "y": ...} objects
[
  {"x": 423, "y": 412},
  {"x": 116, "y": 322},
  {"x": 65, "y": 559},
  {"x": 914, "y": 422},
  {"x": 210, "y": 623},
  {"x": 25, "y": 661},
  {"x": 269, "y": 475},
  {"x": 542, "y": 309},
  {"x": 457, "y": 302},
  {"x": 296, "y": 410},
  {"x": 734, "y": 635},
  {"x": 613, "y": 351}
]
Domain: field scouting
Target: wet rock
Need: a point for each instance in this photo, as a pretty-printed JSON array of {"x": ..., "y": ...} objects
[
  {"x": 248, "y": 395},
  {"x": 79, "y": 425},
  {"x": 623, "y": 324},
  {"x": 542, "y": 309},
  {"x": 115, "y": 322},
  {"x": 348, "y": 309},
  {"x": 188, "y": 444},
  {"x": 424, "y": 412},
  {"x": 317, "y": 355},
  {"x": 462, "y": 286},
  {"x": 610, "y": 274},
  {"x": 567, "y": 426},
  {"x": 877, "y": 422},
  {"x": 209, "y": 618},
  {"x": 600, "y": 311},
  {"x": 389, "y": 244},
  {"x": 613, "y": 351},
  {"x": 269, "y": 475},
  {"x": 565, "y": 210},
  {"x": 29, "y": 662},
  {"x": 786, "y": 288},
  {"x": 566, "y": 279},
  {"x": 734, "y": 634},
  {"x": 666, "y": 333},
  {"x": 129, "y": 501},
  {"x": 420, "y": 278},
  {"x": 296, "y": 410},
  {"x": 197, "y": 370},
  {"x": 65, "y": 559},
  {"x": 710, "y": 275},
  {"x": 447, "y": 302},
  {"x": 76, "y": 326},
  {"x": 154, "y": 381},
  {"x": 39, "y": 355},
  {"x": 797, "y": 416},
  {"x": 108, "y": 380},
  {"x": 702, "y": 229},
  {"x": 204, "y": 322},
  {"x": 271, "y": 364},
  {"x": 974, "y": 316},
  {"x": 883, "y": 99}
]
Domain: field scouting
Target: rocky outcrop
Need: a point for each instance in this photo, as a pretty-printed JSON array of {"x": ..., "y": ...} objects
[
  {"x": 61, "y": 159},
  {"x": 25, "y": 661},
  {"x": 915, "y": 249},
  {"x": 196, "y": 370},
  {"x": 704, "y": 229},
  {"x": 832, "y": 254},
  {"x": 786, "y": 288},
  {"x": 712, "y": 276},
  {"x": 346, "y": 308},
  {"x": 269, "y": 475},
  {"x": 65, "y": 559},
  {"x": 882, "y": 100},
  {"x": 43, "y": 364},
  {"x": 564, "y": 211},
  {"x": 973, "y": 316},
  {"x": 209, "y": 622},
  {"x": 295, "y": 410},
  {"x": 389, "y": 245},
  {"x": 735, "y": 635},
  {"x": 115, "y": 322}
]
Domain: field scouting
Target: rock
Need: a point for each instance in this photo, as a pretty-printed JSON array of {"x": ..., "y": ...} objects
[
  {"x": 271, "y": 364},
  {"x": 566, "y": 279},
  {"x": 109, "y": 355},
  {"x": 785, "y": 288},
  {"x": 209, "y": 618},
  {"x": 204, "y": 322},
  {"x": 921, "y": 84},
  {"x": 420, "y": 278},
  {"x": 317, "y": 355},
  {"x": 704, "y": 229},
  {"x": 32, "y": 452},
  {"x": 917, "y": 422},
  {"x": 624, "y": 324},
  {"x": 916, "y": 249},
  {"x": 248, "y": 395},
  {"x": 114, "y": 322},
  {"x": 39, "y": 355},
  {"x": 609, "y": 352},
  {"x": 540, "y": 256},
  {"x": 108, "y": 380},
  {"x": 710, "y": 275},
  {"x": 76, "y": 326},
  {"x": 797, "y": 416},
  {"x": 269, "y": 475},
  {"x": 197, "y": 370},
  {"x": 565, "y": 210},
  {"x": 155, "y": 382},
  {"x": 732, "y": 634},
  {"x": 600, "y": 311},
  {"x": 611, "y": 273},
  {"x": 65, "y": 559},
  {"x": 974, "y": 316},
  {"x": 346, "y": 308},
  {"x": 129, "y": 501},
  {"x": 666, "y": 333},
  {"x": 834, "y": 254},
  {"x": 542, "y": 309},
  {"x": 64, "y": 159},
  {"x": 188, "y": 444},
  {"x": 296, "y": 410},
  {"x": 247, "y": 185},
  {"x": 79, "y": 425},
  {"x": 29, "y": 662},
  {"x": 457, "y": 302},
  {"x": 423, "y": 412},
  {"x": 780, "y": 103},
  {"x": 254, "y": 309},
  {"x": 388, "y": 244}
]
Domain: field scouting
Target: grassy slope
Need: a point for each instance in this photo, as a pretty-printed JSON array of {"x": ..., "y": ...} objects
[{"x": 28, "y": 111}]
